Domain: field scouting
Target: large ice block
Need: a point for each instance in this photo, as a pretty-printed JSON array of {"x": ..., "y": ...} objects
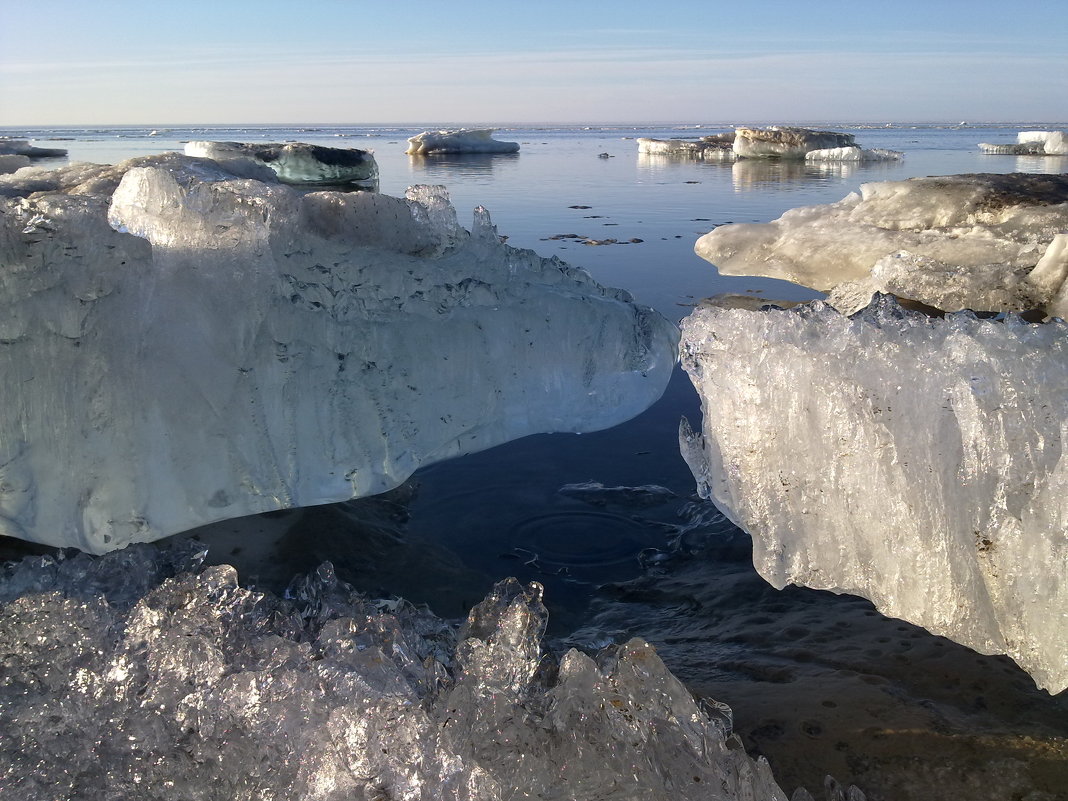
[
  {"x": 716, "y": 147},
  {"x": 179, "y": 345},
  {"x": 159, "y": 679},
  {"x": 953, "y": 242},
  {"x": 463, "y": 140},
  {"x": 919, "y": 462}
]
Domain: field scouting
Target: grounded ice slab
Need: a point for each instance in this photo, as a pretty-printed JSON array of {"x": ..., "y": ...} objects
[
  {"x": 717, "y": 147},
  {"x": 854, "y": 153},
  {"x": 180, "y": 346},
  {"x": 779, "y": 141},
  {"x": 1032, "y": 143},
  {"x": 296, "y": 162},
  {"x": 918, "y": 462},
  {"x": 459, "y": 141},
  {"x": 958, "y": 241},
  {"x": 22, "y": 147},
  {"x": 158, "y": 679}
]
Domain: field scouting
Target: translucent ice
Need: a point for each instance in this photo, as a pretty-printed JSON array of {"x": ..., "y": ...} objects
[
  {"x": 141, "y": 675},
  {"x": 919, "y": 462},
  {"x": 459, "y": 141},
  {"x": 980, "y": 235},
  {"x": 180, "y": 345},
  {"x": 785, "y": 142},
  {"x": 296, "y": 162}
]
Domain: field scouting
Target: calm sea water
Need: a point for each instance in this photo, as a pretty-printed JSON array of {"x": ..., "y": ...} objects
[{"x": 616, "y": 566}]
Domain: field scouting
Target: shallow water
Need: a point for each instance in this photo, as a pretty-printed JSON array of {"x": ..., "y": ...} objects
[{"x": 805, "y": 671}]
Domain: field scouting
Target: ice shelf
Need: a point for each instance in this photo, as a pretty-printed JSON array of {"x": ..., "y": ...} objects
[
  {"x": 159, "y": 679},
  {"x": 180, "y": 345},
  {"x": 919, "y": 462},
  {"x": 952, "y": 242},
  {"x": 296, "y": 162},
  {"x": 462, "y": 140}
]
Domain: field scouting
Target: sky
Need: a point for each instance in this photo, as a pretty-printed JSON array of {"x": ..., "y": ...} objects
[{"x": 119, "y": 62}]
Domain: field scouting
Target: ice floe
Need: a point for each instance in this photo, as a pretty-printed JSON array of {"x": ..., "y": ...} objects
[
  {"x": 181, "y": 345},
  {"x": 717, "y": 147},
  {"x": 916, "y": 461},
  {"x": 297, "y": 162},
  {"x": 854, "y": 153},
  {"x": 952, "y": 242},
  {"x": 22, "y": 147},
  {"x": 459, "y": 141},
  {"x": 162, "y": 679},
  {"x": 1031, "y": 143},
  {"x": 779, "y": 141}
]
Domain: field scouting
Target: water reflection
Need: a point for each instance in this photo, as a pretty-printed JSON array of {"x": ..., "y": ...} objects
[
  {"x": 459, "y": 165},
  {"x": 750, "y": 174}
]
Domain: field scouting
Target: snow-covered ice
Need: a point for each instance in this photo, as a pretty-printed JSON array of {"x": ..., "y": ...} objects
[
  {"x": 916, "y": 461},
  {"x": 459, "y": 141},
  {"x": 297, "y": 162},
  {"x": 1031, "y": 143},
  {"x": 778, "y": 141},
  {"x": 180, "y": 345},
  {"x": 716, "y": 147},
  {"x": 160, "y": 679},
  {"x": 959, "y": 241}
]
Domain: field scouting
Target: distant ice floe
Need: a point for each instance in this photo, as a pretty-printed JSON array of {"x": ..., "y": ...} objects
[
  {"x": 184, "y": 341},
  {"x": 778, "y": 142},
  {"x": 22, "y": 147},
  {"x": 919, "y": 462},
  {"x": 982, "y": 242},
  {"x": 296, "y": 162},
  {"x": 142, "y": 675},
  {"x": 459, "y": 141},
  {"x": 1032, "y": 143}
]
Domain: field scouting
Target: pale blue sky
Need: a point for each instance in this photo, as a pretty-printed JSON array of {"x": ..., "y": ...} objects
[{"x": 345, "y": 61}]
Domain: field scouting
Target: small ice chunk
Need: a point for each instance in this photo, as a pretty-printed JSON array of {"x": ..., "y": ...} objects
[
  {"x": 919, "y": 462},
  {"x": 463, "y": 140}
]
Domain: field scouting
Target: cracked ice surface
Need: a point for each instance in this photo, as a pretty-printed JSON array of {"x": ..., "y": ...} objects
[
  {"x": 917, "y": 462},
  {"x": 180, "y": 345},
  {"x": 952, "y": 242},
  {"x": 141, "y": 675}
]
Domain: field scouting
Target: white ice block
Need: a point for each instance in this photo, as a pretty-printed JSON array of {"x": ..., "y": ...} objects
[{"x": 459, "y": 141}]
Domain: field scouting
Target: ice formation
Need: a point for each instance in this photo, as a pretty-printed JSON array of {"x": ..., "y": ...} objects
[
  {"x": 179, "y": 346},
  {"x": 158, "y": 679},
  {"x": 459, "y": 141},
  {"x": 780, "y": 141},
  {"x": 297, "y": 162},
  {"x": 919, "y": 462},
  {"x": 952, "y": 242},
  {"x": 1032, "y": 143},
  {"x": 22, "y": 147},
  {"x": 854, "y": 153},
  {"x": 717, "y": 147},
  {"x": 10, "y": 162}
]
